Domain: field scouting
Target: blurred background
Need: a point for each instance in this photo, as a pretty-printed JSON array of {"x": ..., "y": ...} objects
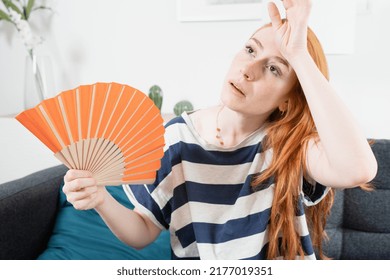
[{"x": 186, "y": 46}]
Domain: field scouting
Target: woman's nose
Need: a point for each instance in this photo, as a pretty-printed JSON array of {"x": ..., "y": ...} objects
[{"x": 248, "y": 72}]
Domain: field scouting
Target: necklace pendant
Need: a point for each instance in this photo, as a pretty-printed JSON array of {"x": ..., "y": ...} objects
[
  {"x": 218, "y": 134},
  {"x": 219, "y": 137}
]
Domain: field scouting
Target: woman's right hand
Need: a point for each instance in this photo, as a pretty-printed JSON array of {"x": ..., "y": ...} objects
[
  {"x": 81, "y": 190},
  {"x": 131, "y": 227},
  {"x": 291, "y": 35}
]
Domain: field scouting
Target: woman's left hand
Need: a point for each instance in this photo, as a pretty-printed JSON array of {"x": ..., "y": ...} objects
[{"x": 291, "y": 35}]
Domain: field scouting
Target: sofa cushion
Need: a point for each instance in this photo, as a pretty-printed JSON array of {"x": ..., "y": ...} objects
[
  {"x": 367, "y": 214},
  {"x": 333, "y": 245},
  {"x": 364, "y": 211},
  {"x": 359, "y": 224},
  {"x": 81, "y": 235},
  {"x": 28, "y": 207}
]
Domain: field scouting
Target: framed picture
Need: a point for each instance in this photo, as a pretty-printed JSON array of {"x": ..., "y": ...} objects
[
  {"x": 219, "y": 10},
  {"x": 333, "y": 21}
]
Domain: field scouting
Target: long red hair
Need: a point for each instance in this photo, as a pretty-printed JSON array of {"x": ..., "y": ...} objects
[{"x": 288, "y": 134}]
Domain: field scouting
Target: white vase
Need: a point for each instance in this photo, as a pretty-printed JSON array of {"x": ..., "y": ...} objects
[{"x": 38, "y": 80}]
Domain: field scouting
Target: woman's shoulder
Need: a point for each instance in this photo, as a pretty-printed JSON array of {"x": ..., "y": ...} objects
[
  {"x": 202, "y": 121},
  {"x": 198, "y": 119},
  {"x": 191, "y": 126},
  {"x": 174, "y": 120}
]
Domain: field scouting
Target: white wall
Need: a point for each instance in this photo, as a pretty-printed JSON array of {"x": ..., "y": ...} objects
[{"x": 141, "y": 43}]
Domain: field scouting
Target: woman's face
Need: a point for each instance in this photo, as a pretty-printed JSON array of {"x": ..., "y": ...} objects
[{"x": 259, "y": 79}]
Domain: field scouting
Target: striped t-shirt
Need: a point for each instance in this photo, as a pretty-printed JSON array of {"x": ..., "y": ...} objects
[{"x": 203, "y": 196}]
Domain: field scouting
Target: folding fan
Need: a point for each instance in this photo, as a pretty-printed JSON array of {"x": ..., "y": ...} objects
[{"x": 112, "y": 130}]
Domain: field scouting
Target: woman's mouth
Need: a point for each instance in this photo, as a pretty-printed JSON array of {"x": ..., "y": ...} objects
[{"x": 237, "y": 89}]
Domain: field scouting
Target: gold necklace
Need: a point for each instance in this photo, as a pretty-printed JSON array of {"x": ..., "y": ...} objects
[
  {"x": 218, "y": 135},
  {"x": 218, "y": 129}
]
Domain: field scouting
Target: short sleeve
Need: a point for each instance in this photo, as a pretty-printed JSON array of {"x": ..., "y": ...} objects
[
  {"x": 154, "y": 200},
  {"x": 313, "y": 192}
]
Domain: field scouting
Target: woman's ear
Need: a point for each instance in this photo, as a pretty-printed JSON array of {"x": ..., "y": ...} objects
[{"x": 283, "y": 107}]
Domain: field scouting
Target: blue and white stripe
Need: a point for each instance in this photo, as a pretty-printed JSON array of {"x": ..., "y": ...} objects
[{"x": 202, "y": 194}]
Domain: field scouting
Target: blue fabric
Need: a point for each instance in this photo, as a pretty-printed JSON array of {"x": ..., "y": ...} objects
[{"x": 82, "y": 235}]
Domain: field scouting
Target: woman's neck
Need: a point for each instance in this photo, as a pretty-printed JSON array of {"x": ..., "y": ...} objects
[{"x": 233, "y": 127}]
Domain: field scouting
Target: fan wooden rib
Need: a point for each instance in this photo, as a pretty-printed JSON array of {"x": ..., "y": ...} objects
[{"x": 110, "y": 129}]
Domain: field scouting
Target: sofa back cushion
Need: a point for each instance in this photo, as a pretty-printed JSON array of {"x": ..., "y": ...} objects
[{"x": 359, "y": 225}]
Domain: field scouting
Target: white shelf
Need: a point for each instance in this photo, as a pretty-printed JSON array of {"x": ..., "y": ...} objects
[{"x": 21, "y": 153}]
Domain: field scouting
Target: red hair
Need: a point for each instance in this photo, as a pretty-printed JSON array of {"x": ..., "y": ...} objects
[{"x": 288, "y": 135}]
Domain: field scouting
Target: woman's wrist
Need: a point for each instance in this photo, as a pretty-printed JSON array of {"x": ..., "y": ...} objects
[
  {"x": 297, "y": 57},
  {"x": 104, "y": 201}
]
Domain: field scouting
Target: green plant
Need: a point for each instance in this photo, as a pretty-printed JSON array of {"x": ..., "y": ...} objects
[
  {"x": 18, "y": 12},
  {"x": 156, "y": 94},
  {"x": 182, "y": 106}
]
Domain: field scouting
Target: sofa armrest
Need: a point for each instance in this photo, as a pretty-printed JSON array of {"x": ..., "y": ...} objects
[{"x": 28, "y": 209}]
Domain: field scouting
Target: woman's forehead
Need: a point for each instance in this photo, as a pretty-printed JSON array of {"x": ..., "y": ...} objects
[
  {"x": 264, "y": 33},
  {"x": 265, "y": 38}
]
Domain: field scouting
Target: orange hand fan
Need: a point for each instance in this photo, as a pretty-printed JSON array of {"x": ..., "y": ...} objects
[{"x": 112, "y": 130}]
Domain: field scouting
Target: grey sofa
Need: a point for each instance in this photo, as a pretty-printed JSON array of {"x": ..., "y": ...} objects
[
  {"x": 38, "y": 223},
  {"x": 358, "y": 228},
  {"x": 359, "y": 224}
]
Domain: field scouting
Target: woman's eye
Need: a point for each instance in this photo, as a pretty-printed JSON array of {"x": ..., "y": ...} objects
[
  {"x": 274, "y": 70},
  {"x": 249, "y": 50}
]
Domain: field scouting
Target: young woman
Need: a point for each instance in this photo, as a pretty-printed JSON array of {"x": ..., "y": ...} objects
[{"x": 246, "y": 179}]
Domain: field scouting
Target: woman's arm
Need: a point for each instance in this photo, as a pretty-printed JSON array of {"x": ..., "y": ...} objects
[
  {"x": 342, "y": 157},
  {"x": 129, "y": 226}
]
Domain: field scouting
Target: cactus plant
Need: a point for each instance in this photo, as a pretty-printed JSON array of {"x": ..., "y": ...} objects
[
  {"x": 156, "y": 94},
  {"x": 182, "y": 106}
]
